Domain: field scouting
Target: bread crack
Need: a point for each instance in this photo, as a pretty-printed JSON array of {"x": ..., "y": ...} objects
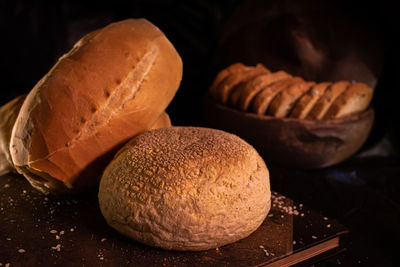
[{"x": 116, "y": 101}]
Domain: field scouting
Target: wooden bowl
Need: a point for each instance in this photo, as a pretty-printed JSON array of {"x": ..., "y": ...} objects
[{"x": 293, "y": 142}]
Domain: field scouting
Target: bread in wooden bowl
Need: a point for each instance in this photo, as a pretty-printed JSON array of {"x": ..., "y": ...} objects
[
  {"x": 298, "y": 123},
  {"x": 185, "y": 188},
  {"x": 114, "y": 83}
]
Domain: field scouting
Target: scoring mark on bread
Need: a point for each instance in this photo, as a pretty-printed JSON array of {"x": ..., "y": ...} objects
[
  {"x": 106, "y": 93},
  {"x": 122, "y": 94}
]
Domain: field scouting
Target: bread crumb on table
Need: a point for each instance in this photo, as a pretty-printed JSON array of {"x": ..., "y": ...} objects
[
  {"x": 278, "y": 201},
  {"x": 58, "y": 247}
]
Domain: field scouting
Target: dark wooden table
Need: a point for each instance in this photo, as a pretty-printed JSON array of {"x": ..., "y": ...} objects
[
  {"x": 362, "y": 194},
  {"x": 40, "y": 230}
]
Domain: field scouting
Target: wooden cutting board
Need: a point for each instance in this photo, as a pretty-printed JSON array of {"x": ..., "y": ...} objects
[{"x": 40, "y": 230}]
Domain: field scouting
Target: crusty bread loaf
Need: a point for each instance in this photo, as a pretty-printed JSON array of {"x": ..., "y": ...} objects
[
  {"x": 113, "y": 84},
  {"x": 162, "y": 121},
  {"x": 185, "y": 188},
  {"x": 280, "y": 95},
  {"x": 8, "y": 115}
]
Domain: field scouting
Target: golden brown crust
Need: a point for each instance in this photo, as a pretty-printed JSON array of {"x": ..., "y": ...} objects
[
  {"x": 226, "y": 86},
  {"x": 326, "y": 100},
  {"x": 8, "y": 115},
  {"x": 307, "y": 101},
  {"x": 262, "y": 100},
  {"x": 185, "y": 188},
  {"x": 256, "y": 85},
  {"x": 355, "y": 99},
  {"x": 222, "y": 75},
  {"x": 45, "y": 183},
  {"x": 283, "y": 102},
  {"x": 162, "y": 121},
  {"x": 113, "y": 84},
  {"x": 248, "y": 85},
  {"x": 278, "y": 94}
]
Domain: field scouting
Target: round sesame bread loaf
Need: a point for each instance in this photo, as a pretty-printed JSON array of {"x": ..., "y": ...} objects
[{"x": 185, "y": 188}]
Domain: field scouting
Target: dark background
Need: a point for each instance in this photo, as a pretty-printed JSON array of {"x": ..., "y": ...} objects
[
  {"x": 362, "y": 192},
  {"x": 36, "y": 33}
]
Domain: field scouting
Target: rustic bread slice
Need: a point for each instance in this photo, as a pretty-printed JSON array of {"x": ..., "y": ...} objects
[
  {"x": 355, "y": 99},
  {"x": 283, "y": 102},
  {"x": 226, "y": 86},
  {"x": 255, "y": 86},
  {"x": 307, "y": 101},
  {"x": 234, "y": 96},
  {"x": 223, "y": 74},
  {"x": 326, "y": 100},
  {"x": 262, "y": 100}
]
